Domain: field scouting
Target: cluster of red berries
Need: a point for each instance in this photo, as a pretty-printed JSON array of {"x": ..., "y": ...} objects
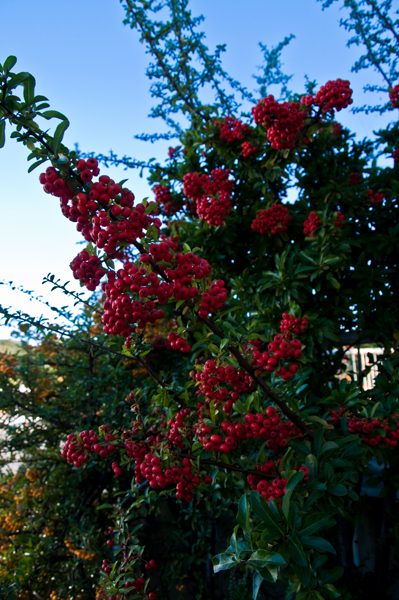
[
  {"x": 122, "y": 312},
  {"x": 370, "y": 429},
  {"x": 291, "y": 324},
  {"x": 272, "y": 220},
  {"x": 172, "y": 151},
  {"x": 211, "y": 193},
  {"x": 334, "y": 95},
  {"x": 178, "y": 428},
  {"x": 312, "y": 223},
  {"x": 283, "y": 121},
  {"x": 87, "y": 269},
  {"x": 161, "y": 476},
  {"x": 178, "y": 343},
  {"x": 213, "y": 299},
  {"x": 105, "y": 215},
  {"x": 276, "y": 489},
  {"x": 232, "y": 129},
  {"x": 248, "y": 149},
  {"x": 77, "y": 448},
  {"x": 374, "y": 197},
  {"x": 280, "y": 350},
  {"x": 116, "y": 469},
  {"x": 211, "y": 383},
  {"x": 268, "y": 427},
  {"x": 54, "y": 184},
  {"x": 88, "y": 168},
  {"x": 394, "y": 96},
  {"x": 73, "y": 450},
  {"x": 214, "y": 210},
  {"x": 395, "y": 156},
  {"x": 164, "y": 199},
  {"x": 355, "y": 179}
]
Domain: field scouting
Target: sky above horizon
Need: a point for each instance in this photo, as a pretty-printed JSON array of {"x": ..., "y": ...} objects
[{"x": 92, "y": 69}]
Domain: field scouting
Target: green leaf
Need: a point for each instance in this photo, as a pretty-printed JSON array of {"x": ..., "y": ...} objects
[
  {"x": 297, "y": 551},
  {"x": 260, "y": 558},
  {"x": 300, "y": 447},
  {"x": 9, "y": 62},
  {"x": 223, "y": 562},
  {"x": 59, "y": 134},
  {"x": 53, "y": 114},
  {"x": 256, "y": 583},
  {"x": 318, "y": 543},
  {"x": 270, "y": 574},
  {"x": 36, "y": 164},
  {"x": 29, "y": 89},
  {"x": 243, "y": 513},
  {"x": 335, "y": 283},
  {"x": 328, "y": 446},
  {"x": 336, "y": 489},
  {"x": 2, "y": 133},
  {"x": 263, "y": 512},
  {"x": 315, "y": 522},
  {"x": 291, "y": 485},
  {"x": 17, "y": 79},
  {"x": 303, "y": 573},
  {"x": 333, "y": 575}
]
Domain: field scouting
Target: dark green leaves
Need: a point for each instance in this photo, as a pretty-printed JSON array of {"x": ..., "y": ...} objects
[
  {"x": 222, "y": 562},
  {"x": 261, "y": 558},
  {"x": 9, "y": 63},
  {"x": 293, "y": 481},
  {"x": 59, "y": 134},
  {"x": 2, "y": 133},
  {"x": 263, "y": 512},
  {"x": 317, "y": 543},
  {"x": 297, "y": 551},
  {"x": 243, "y": 513}
]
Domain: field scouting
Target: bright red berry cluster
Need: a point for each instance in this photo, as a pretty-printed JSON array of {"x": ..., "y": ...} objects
[
  {"x": 248, "y": 149},
  {"x": 395, "y": 156},
  {"x": 211, "y": 193},
  {"x": 275, "y": 489},
  {"x": 334, "y": 95},
  {"x": 312, "y": 223},
  {"x": 232, "y": 129},
  {"x": 77, "y": 448},
  {"x": 164, "y": 199},
  {"x": 161, "y": 475},
  {"x": 87, "y": 269},
  {"x": 132, "y": 292},
  {"x": 172, "y": 151},
  {"x": 374, "y": 197},
  {"x": 267, "y": 426},
  {"x": 213, "y": 299},
  {"x": 283, "y": 121},
  {"x": 374, "y": 432},
  {"x": 178, "y": 343},
  {"x": 104, "y": 215},
  {"x": 212, "y": 383},
  {"x": 292, "y": 324},
  {"x": 272, "y": 220},
  {"x": 116, "y": 469},
  {"x": 394, "y": 96},
  {"x": 280, "y": 350}
]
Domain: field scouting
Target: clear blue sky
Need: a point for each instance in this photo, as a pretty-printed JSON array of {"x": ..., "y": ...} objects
[{"x": 92, "y": 68}]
